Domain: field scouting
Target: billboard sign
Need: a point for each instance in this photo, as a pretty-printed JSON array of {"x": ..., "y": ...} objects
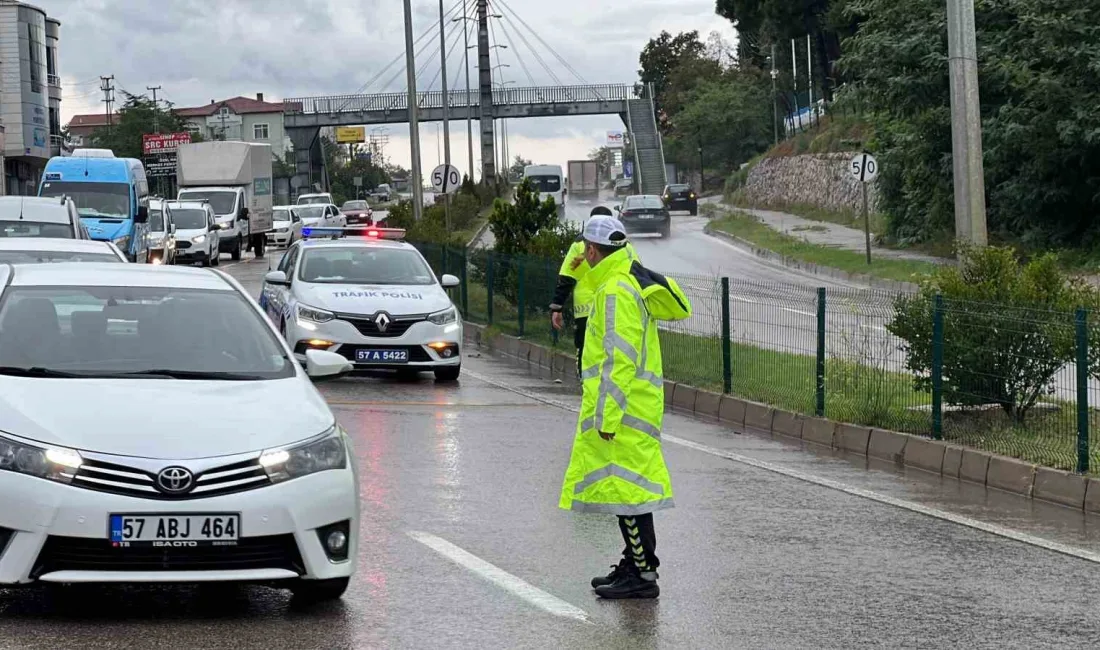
[
  {"x": 157, "y": 143},
  {"x": 615, "y": 139},
  {"x": 351, "y": 134}
]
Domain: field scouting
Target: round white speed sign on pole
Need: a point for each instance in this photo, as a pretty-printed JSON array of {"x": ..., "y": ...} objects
[
  {"x": 864, "y": 168},
  {"x": 446, "y": 179}
]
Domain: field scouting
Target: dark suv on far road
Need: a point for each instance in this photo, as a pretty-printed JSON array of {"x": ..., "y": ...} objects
[{"x": 681, "y": 197}]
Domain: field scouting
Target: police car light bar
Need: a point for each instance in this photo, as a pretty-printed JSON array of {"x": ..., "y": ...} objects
[{"x": 363, "y": 232}]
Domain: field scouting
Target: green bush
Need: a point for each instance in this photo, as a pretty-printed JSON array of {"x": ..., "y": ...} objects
[{"x": 1007, "y": 328}]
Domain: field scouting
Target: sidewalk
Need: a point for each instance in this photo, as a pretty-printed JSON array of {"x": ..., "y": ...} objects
[{"x": 823, "y": 233}]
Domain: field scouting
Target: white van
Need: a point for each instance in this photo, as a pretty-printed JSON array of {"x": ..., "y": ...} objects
[{"x": 550, "y": 182}]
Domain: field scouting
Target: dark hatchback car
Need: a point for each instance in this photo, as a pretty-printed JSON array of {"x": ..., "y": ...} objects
[
  {"x": 645, "y": 213},
  {"x": 358, "y": 213},
  {"x": 681, "y": 197}
]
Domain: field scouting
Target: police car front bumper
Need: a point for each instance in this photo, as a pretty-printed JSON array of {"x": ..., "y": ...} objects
[{"x": 423, "y": 345}]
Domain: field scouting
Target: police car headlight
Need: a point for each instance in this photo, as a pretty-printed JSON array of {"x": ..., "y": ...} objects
[
  {"x": 319, "y": 454},
  {"x": 51, "y": 463},
  {"x": 314, "y": 315},
  {"x": 198, "y": 240},
  {"x": 444, "y": 317}
]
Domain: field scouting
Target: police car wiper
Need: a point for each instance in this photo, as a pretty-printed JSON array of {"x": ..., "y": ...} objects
[
  {"x": 166, "y": 373},
  {"x": 38, "y": 371}
]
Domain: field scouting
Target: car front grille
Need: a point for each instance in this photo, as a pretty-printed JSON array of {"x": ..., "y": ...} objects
[
  {"x": 183, "y": 244},
  {"x": 397, "y": 327},
  {"x": 87, "y": 554},
  {"x": 417, "y": 354},
  {"x": 132, "y": 482}
]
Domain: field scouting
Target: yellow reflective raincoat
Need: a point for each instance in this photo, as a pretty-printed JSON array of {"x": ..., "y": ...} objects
[
  {"x": 574, "y": 270},
  {"x": 623, "y": 393}
]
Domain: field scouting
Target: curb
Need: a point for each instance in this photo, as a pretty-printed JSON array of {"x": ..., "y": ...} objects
[
  {"x": 910, "y": 451},
  {"x": 810, "y": 268},
  {"x": 477, "y": 235}
]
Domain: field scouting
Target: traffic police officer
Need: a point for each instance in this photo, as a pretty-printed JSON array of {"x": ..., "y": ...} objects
[
  {"x": 616, "y": 466},
  {"x": 571, "y": 280}
]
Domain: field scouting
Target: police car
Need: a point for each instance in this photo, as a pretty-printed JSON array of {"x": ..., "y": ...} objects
[{"x": 365, "y": 294}]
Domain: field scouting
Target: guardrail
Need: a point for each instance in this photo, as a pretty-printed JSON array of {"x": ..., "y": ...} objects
[{"x": 332, "y": 104}]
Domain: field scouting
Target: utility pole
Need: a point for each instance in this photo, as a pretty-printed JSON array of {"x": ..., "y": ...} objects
[
  {"x": 156, "y": 108},
  {"x": 485, "y": 91},
  {"x": 794, "y": 83},
  {"x": 775, "y": 99},
  {"x": 810, "y": 77},
  {"x": 469, "y": 111},
  {"x": 414, "y": 125},
  {"x": 107, "y": 85},
  {"x": 446, "y": 101},
  {"x": 966, "y": 124}
]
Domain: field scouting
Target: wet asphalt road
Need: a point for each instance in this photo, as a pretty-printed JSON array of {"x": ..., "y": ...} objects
[{"x": 757, "y": 554}]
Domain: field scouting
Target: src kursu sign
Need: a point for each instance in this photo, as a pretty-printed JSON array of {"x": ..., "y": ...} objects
[{"x": 155, "y": 143}]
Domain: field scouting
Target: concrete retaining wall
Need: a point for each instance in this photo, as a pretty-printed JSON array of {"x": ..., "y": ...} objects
[
  {"x": 820, "y": 180},
  {"x": 951, "y": 461}
]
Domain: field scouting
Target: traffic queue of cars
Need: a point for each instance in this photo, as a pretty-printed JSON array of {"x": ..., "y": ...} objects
[{"x": 247, "y": 494}]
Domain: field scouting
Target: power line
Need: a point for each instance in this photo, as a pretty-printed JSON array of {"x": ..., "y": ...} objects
[
  {"x": 456, "y": 38},
  {"x": 534, "y": 52},
  {"x": 557, "y": 56},
  {"x": 107, "y": 85},
  {"x": 519, "y": 58}
]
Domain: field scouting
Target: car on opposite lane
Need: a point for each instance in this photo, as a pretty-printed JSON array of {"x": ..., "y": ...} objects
[
  {"x": 42, "y": 250},
  {"x": 358, "y": 213},
  {"x": 645, "y": 213},
  {"x": 286, "y": 225},
  {"x": 34, "y": 216},
  {"x": 242, "y": 492},
  {"x": 680, "y": 196},
  {"x": 373, "y": 300}
]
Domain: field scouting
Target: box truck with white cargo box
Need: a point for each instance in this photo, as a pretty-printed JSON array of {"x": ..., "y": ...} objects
[
  {"x": 584, "y": 177},
  {"x": 236, "y": 179}
]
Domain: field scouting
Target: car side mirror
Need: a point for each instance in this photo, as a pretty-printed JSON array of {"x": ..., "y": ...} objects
[
  {"x": 449, "y": 281},
  {"x": 244, "y": 213},
  {"x": 278, "y": 278},
  {"x": 212, "y": 227},
  {"x": 322, "y": 364},
  {"x": 618, "y": 208},
  {"x": 142, "y": 214}
]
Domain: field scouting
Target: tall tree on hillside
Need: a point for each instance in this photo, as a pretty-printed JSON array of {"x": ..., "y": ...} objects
[
  {"x": 135, "y": 119},
  {"x": 662, "y": 55}
]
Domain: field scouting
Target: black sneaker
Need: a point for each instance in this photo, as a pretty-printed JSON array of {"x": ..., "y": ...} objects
[
  {"x": 617, "y": 570},
  {"x": 630, "y": 585}
]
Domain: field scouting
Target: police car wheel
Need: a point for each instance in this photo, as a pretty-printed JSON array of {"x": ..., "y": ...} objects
[{"x": 450, "y": 373}]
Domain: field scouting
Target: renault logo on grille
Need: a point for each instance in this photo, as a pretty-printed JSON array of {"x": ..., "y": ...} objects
[
  {"x": 382, "y": 320},
  {"x": 175, "y": 480}
]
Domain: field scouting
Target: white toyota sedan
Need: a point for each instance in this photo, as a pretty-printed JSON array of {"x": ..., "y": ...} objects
[
  {"x": 361, "y": 294},
  {"x": 98, "y": 486}
]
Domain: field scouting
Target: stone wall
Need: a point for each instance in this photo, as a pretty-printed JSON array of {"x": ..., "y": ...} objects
[{"x": 820, "y": 180}]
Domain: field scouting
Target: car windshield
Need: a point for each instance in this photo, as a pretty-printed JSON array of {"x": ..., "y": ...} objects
[
  {"x": 138, "y": 332},
  {"x": 546, "y": 183},
  {"x": 156, "y": 220},
  {"x": 222, "y": 202},
  {"x": 309, "y": 200},
  {"x": 36, "y": 229},
  {"x": 311, "y": 212},
  {"x": 46, "y": 257},
  {"x": 189, "y": 218},
  {"x": 355, "y": 205},
  {"x": 280, "y": 214},
  {"x": 363, "y": 265},
  {"x": 110, "y": 200},
  {"x": 678, "y": 188},
  {"x": 643, "y": 203}
]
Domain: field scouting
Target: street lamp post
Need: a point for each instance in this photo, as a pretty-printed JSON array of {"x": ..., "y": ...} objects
[{"x": 414, "y": 126}]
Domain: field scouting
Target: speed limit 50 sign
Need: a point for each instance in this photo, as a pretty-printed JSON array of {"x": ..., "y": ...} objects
[
  {"x": 863, "y": 167},
  {"x": 446, "y": 179}
]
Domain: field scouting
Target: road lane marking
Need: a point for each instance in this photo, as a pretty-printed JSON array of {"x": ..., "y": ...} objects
[
  {"x": 501, "y": 578},
  {"x": 904, "y": 504}
]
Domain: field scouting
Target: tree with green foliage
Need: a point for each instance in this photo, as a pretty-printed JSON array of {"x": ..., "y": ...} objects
[
  {"x": 518, "y": 164},
  {"x": 662, "y": 56},
  {"x": 136, "y": 118}
]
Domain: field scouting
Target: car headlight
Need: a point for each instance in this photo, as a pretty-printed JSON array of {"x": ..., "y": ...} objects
[
  {"x": 448, "y": 315},
  {"x": 319, "y": 454},
  {"x": 315, "y": 315},
  {"x": 226, "y": 225},
  {"x": 198, "y": 240},
  {"x": 51, "y": 463},
  {"x": 282, "y": 230}
]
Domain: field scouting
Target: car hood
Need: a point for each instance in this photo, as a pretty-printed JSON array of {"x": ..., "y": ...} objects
[
  {"x": 369, "y": 299},
  {"x": 188, "y": 233},
  {"x": 280, "y": 224},
  {"x": 106, "y": 229},
  {"x": 162, "y": 418}
]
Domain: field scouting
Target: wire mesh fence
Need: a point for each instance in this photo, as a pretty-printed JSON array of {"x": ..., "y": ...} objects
[{"x": 1005, "y": 379}]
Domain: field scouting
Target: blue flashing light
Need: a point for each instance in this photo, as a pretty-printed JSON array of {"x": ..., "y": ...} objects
[{"x": 360, "y": 232}]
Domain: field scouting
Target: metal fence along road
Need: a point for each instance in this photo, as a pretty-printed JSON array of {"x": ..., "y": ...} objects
[{"x": 1007, "y": 380}]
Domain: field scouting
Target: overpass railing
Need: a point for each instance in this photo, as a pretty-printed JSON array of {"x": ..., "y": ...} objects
[{"x": 333, "y": 104}]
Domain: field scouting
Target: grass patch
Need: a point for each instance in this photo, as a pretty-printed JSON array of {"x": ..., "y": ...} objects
[
  {"x": 834, "y": 134},
  {"x": 750, "y": 229}
]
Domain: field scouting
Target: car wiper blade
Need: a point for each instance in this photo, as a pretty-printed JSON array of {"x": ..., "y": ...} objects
[
  {"x": 169, "y": 373},
  {"x": 38, "y": 371}
]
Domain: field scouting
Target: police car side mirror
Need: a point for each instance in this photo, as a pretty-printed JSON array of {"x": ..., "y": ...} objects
[
  {"x": 324, "y": 364},
  {"x": 449, "y": 281},
  {"x": 278, "y": 278}
]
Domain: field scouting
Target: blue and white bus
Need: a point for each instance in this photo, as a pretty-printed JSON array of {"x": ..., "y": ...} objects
[{"x": 111, "y": 195}]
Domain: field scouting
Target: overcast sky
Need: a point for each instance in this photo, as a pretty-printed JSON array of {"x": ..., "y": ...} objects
[{"x": 199, "y": 50}]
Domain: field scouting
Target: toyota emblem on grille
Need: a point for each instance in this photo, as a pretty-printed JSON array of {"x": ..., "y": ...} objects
[
  {"x": 382, "y": 320},
  {"x": 175, "y": 480}
]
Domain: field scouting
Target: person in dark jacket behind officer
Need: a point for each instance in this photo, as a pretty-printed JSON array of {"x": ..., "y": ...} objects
[{"x": 571, "y": 281}]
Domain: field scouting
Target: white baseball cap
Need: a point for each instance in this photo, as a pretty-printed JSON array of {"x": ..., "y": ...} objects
[{"x": 606, "y": 231}]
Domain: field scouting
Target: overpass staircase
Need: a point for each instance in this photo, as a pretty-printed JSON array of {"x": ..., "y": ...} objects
[{"x": 649, "y": 153}]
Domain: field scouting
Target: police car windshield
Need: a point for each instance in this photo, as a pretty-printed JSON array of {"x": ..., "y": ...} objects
[
  {"x": 139, "y": 332},
  {"x": 363, "y": 265}
]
